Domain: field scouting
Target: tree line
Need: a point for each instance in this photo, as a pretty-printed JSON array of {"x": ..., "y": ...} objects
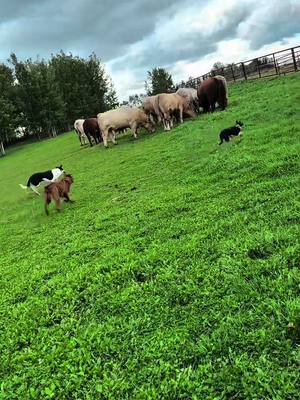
[{"x": 45, "y": 97}]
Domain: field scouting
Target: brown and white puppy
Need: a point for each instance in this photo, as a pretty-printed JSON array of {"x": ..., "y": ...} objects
[{"x": 57, "y": 191}]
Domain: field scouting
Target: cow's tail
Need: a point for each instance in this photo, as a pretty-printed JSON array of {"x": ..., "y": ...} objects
[
  {"x": 222, "y": 91},
  {"x": 47, "y": 199},
  {"x": 157, "y": 109}
]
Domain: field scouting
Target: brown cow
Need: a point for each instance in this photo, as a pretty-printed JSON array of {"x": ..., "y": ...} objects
[
  {"x": 172, "y": 105},
  {"x": 211, "y": 91},
  {"x": 91, "y": 129}
]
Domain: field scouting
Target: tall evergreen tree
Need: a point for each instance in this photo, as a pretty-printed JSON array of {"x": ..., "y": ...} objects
[{"x": 158, "y": 81}]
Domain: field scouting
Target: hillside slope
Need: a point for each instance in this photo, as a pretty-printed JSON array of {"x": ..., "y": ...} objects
[{"x": 175, "y": 273}]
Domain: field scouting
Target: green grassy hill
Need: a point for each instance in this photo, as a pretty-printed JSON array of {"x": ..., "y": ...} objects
[{"x": 175, "y": 273}]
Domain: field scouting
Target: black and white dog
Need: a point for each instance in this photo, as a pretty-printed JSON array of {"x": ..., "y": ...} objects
[
  {"x": 227, "y": 133},
  {"x": 48, "y": 176}
]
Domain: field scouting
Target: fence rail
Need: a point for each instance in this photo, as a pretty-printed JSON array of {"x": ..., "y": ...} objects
[{"x": 278, "y": 63}]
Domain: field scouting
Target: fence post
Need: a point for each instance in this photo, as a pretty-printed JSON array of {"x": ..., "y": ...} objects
[
  {"x": 275, "y": 64},
  {"x": 232, "y": 72},
  {"x": 244, "y": 71},
  {"x": 294, "y": 59},
  {"x": 257, "y": 63}
]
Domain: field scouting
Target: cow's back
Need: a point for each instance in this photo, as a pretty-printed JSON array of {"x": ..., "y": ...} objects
[
  {"x": 168, "y": 101},
  {"x": 119, "y": 118},
  {"x": 188, "y": 93},
  {"x": 90, "y": 124}
]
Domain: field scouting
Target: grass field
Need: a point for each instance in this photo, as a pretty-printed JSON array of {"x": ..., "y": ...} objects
[{"x": 175, "y": 273}]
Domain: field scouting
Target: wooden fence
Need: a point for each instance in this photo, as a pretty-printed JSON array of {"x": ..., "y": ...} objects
[{"x": 278, "y": 63}]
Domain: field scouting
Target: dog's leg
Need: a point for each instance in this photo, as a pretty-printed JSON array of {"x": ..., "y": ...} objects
[
  {"x": 46, "y": 209},
  {"x": 33, "y": 187},
  {"x": 67, "y": 198},
  {"x": 58, "y": 204}
]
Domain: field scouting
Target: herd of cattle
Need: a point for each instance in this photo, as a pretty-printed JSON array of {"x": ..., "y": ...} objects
[{"x": 165, "y": 108}]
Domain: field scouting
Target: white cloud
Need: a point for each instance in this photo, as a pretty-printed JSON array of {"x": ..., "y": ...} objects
[{"x": 184, "y": 36}]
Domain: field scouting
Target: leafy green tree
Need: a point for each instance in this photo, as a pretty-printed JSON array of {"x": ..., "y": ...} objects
[
  {"x": 86, "y": 89},
  {"x": 38, "y": 96},
  {"x": 7, "y": 109},
  {"x": 217, "y": 65},
  {"x": 158, "y": 81},
  {"x": 110, "y": 98}
]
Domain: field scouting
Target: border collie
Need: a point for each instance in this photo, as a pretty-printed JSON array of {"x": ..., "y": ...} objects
[
  {"x": 227, "y": 133},
  {"x": 48, "y": 176}
]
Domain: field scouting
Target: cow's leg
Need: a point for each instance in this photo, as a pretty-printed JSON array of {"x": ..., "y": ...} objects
[
  {"x": 134, "y": 129},
  {"x": 105, "y": 137},
  {"x": 113, "y": 136},
  {"x": 80, "y": 139},
  {"x": 166, "y": 121},
  {"x": 152, "y": 118},
  {"x": 89, "y": 138},
  {"x": 166, "y": 124},
  {"x": 95, "y": 139},
  {"x": 181, "y": 114},
  {"x": 97, "y": 136}
]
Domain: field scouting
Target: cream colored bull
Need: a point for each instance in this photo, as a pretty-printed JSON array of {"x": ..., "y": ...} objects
[
  {"x": 150, "y": 106},
  {"x": 171, "y": 105},
  {"x": 122, "y": 118},
  {"x": 191, "y": 95}
]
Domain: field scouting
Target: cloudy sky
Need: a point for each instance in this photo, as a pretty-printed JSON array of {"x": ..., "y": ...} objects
[{"x": 133, "y": 36}]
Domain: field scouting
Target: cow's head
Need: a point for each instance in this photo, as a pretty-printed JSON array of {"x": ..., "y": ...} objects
[{"x": 149, "y": 126}]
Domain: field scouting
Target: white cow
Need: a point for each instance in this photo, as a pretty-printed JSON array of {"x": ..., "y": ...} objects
[{"x": 78, "y": 126}]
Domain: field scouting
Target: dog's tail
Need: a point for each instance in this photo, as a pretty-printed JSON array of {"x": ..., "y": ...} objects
[
  {"x": 47, "y": 199},
  {"x": 22, "y": 186}
]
